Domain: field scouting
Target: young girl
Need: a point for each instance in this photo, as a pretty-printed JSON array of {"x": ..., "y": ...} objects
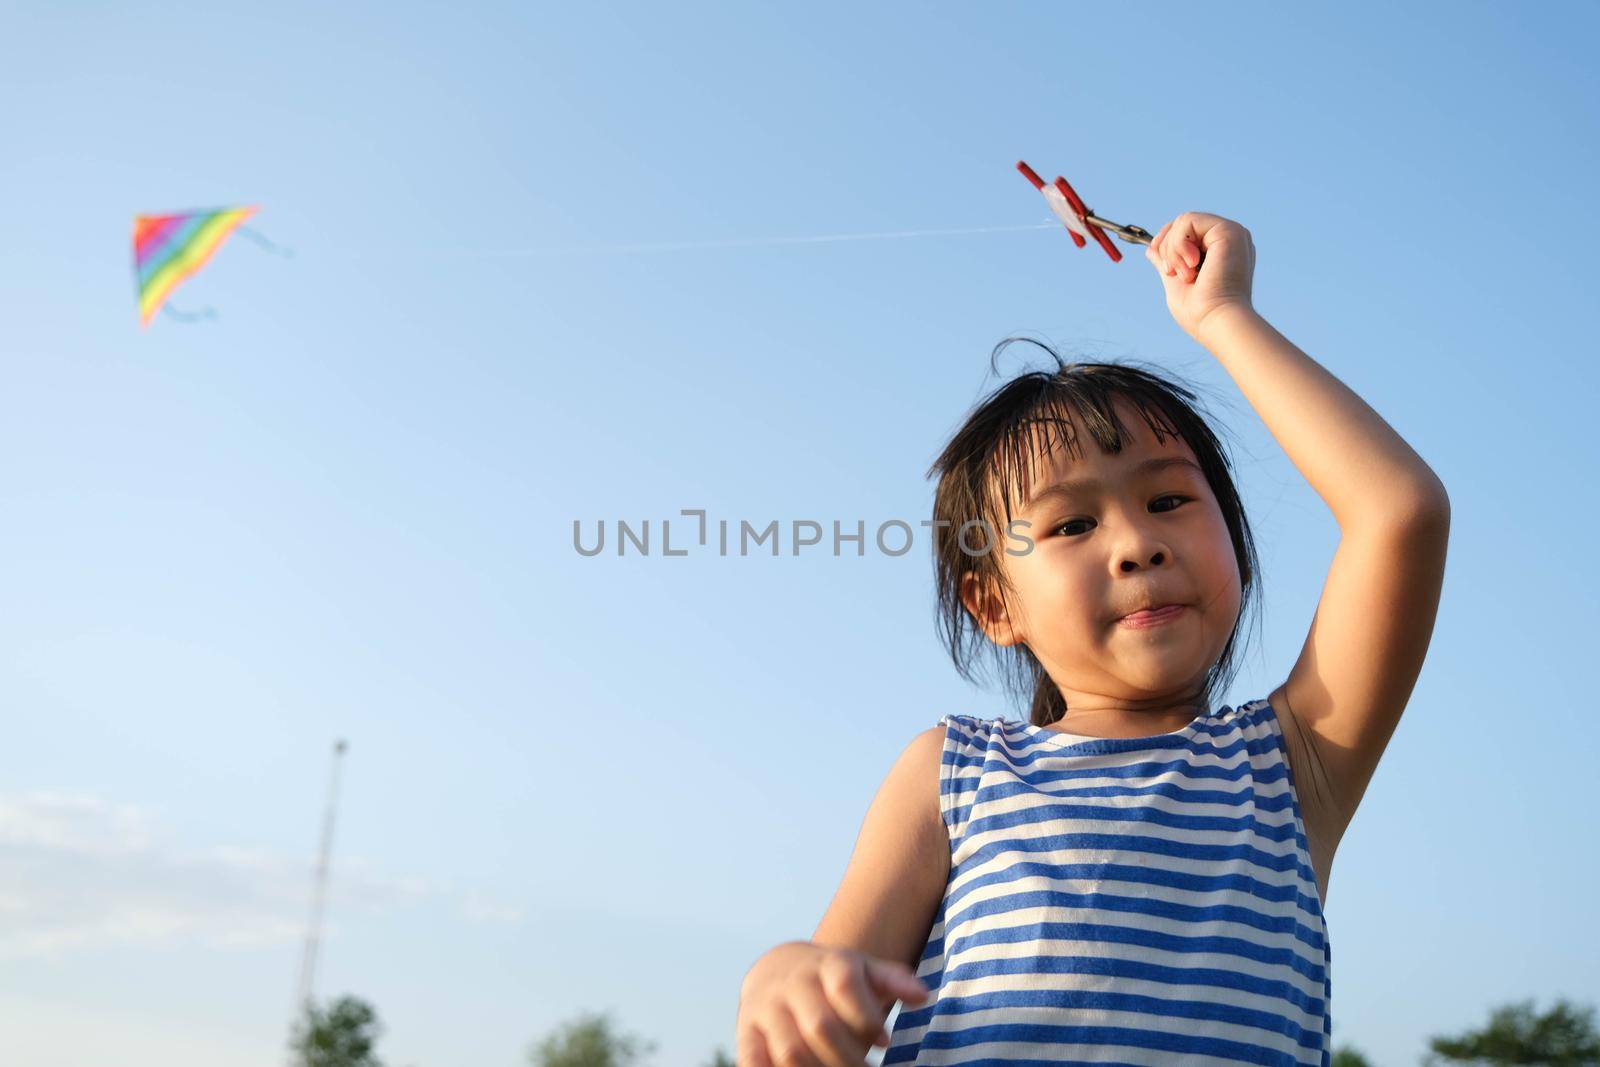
[{"x": 1135, "y": 876}]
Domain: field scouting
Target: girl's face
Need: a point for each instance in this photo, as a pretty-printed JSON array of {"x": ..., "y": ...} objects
[{"x": 1133, "y": 530}]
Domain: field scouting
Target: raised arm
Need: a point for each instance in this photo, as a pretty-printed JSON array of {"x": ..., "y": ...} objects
[{"x": 1371, "y": 629}]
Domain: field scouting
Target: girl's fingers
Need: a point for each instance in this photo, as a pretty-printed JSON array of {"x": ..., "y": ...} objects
[
  {"x": 1159, "y": 249},
  {"x": 1180, "y": 245},
  {"x": 786, "y": 1044},
  {"x": 830, "y": 1041},
  {"x": 844, "y": 983},
  {"x": 1172, "y": 248},
  {"x": 1189, "y": 246},
  {"x": 1184, "y": 253},
  {"x": 752, "y": 1049}
]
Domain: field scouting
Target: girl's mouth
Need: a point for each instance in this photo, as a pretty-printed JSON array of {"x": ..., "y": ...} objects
[{"x": 1140, "y": 620}]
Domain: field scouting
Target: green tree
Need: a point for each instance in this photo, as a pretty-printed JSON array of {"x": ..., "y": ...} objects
[
  {"x": 1347, "y": 1056},
  {"x": 589, "y": 1041},
  {"x": 342, "y": 1034},
  {"x": 1564, "y": 1036},
  {"x": 719, "y": 1058}
]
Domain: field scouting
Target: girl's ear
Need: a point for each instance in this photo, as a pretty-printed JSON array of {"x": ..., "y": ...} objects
[{"x": 986, "y": 606}]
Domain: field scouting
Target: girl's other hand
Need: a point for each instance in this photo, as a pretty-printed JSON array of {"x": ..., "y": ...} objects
[
  {"x": 1206, "y": 262},
  {"x": 808, "y": 1005}
]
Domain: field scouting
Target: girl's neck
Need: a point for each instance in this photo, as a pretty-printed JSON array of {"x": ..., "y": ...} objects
[{"x": 1125, "y": 722}]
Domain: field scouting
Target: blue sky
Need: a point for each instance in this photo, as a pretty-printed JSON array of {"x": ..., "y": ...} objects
[{"x": 344, "y": 507}]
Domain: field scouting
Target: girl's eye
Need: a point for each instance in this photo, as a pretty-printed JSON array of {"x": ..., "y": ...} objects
[{"x": 1178, "y": 501}]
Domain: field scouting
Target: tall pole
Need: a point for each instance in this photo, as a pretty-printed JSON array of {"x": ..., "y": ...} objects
[{"x": 319, "y": 890}]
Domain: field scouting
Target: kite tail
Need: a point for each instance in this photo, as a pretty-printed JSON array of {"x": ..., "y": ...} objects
[
  {"x": 188, "y": 316},
  {"x": 258, "y": 238}
]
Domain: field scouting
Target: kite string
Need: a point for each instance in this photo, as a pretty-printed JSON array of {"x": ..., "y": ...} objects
[
  {"x": 758, "y": 242},
  {"x": 669, "y": 246}
]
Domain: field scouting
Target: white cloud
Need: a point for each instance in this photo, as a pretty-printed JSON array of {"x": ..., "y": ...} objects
[
  {"x": 69, "y": 823},
  {"x": 80, "y": 872},
  {"x": 480, "y": 909}
]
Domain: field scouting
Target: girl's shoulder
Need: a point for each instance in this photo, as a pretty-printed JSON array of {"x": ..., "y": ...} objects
[
  {"x": 967, "y": 725},
  {"x": 974, "y": 733},
  {"x": 1252, "y": 718}
]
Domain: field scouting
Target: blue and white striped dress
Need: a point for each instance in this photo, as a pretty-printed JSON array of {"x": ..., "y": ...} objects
[{"x": 1137, "y": 900}]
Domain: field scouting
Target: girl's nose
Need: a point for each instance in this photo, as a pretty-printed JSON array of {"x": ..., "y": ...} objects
[{"x": 1155, "y": 558}]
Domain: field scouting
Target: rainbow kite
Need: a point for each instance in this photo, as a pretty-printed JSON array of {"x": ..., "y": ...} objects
[{"x": 169, "y": 248}]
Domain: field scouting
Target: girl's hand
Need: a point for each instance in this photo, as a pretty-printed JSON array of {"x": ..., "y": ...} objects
[
  {"x": 807, "y": 1005},
  {"x": 1198, "y": 286}
]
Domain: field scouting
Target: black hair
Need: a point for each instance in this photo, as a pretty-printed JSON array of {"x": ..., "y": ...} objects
[{"x": 989, "y": 462}]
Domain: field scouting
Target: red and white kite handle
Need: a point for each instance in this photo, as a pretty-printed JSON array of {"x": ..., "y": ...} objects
[{"x": 1080, "y": 221}]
